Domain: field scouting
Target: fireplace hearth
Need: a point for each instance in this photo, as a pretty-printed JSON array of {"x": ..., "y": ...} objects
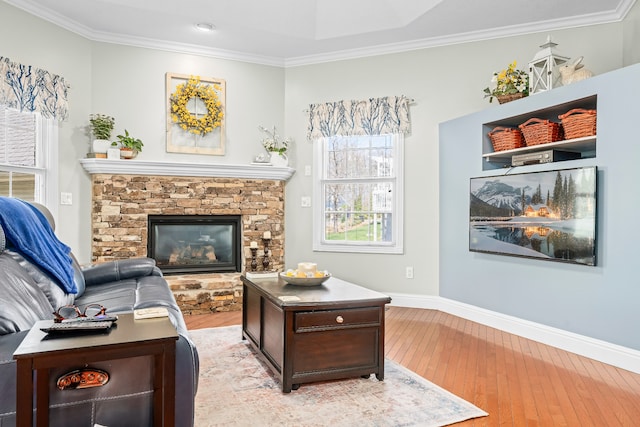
[{"x": 195, "y": 243}]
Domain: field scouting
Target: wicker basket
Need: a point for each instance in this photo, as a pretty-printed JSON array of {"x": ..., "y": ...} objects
[
  {"x": 539, "y": 131},
  {"x": 506, "y": 138},
  {"x": 503, "y": 99},
  {"x": 578, "y": 123}
]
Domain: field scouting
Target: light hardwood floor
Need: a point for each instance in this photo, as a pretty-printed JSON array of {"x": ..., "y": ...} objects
[{"x": 519, "y": 382}]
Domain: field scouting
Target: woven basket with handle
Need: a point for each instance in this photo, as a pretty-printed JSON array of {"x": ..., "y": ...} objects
[
  {"x": 504, "y": 138},
  {"x": 578, "y": 123},
  {"x": 503, "y": 99},
  {"x": 539, "y": 131}
]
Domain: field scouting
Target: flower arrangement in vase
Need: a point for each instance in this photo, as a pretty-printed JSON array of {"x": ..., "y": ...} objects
[
  {"x": 276, "y": 148},
  {"x": 510, "y": 84}
]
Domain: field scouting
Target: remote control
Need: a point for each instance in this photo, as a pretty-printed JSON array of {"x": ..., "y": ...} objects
[{"x": 67, "y": 327}]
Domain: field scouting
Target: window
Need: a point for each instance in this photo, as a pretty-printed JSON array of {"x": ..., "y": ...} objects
[
  {"x": 28, "y": 147},
  {"x": 358, "y": 194}
]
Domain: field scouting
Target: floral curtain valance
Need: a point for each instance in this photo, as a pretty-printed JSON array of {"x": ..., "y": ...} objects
[
  {"x": 27, "y": 88},
  {"x": 375, "y": 116}
]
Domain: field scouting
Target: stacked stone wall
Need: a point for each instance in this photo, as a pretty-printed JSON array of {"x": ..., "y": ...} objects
[{"x": 121, "y": 205}]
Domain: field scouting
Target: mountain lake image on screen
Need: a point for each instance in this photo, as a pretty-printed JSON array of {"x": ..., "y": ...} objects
[{"x": 549, "y": 215}]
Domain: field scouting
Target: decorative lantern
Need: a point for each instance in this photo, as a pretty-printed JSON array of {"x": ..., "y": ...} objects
[{"x": 543, "y": 68}]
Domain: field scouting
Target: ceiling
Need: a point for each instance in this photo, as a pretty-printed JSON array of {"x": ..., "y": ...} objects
[{"x": 297, "y": 32}]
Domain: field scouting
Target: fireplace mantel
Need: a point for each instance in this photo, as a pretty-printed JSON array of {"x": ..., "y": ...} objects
[{"x": 161, "y": 168}]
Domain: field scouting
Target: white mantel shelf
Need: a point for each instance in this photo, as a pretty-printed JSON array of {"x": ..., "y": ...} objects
[{"x": 147, "y": 167}]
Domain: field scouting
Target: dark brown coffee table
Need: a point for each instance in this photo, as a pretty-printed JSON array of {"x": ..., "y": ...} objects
[
  {"x": 130, "y": 338},
  {"x": 316, "y": 333}
]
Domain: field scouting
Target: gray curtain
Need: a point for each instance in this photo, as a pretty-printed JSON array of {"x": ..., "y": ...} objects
[{"x": 375, "y": 116}]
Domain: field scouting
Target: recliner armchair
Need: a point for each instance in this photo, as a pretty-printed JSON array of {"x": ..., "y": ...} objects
[{"x": 29, "y": 294}]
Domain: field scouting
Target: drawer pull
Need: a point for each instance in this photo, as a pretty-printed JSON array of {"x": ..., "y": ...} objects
[{"x": 339, "y": 319}]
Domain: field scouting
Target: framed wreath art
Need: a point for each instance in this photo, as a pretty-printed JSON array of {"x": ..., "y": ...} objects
[{"x": 195, "y": 114}]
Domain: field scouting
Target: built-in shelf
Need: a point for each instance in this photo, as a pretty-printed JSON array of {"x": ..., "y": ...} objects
[
  {"x": 577, "y": 145},
  {"x": 585, "y": 147},
  {"x": 162, "y": 168}
]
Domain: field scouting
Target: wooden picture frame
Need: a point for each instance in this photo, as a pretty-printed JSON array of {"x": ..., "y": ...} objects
[{"x": 180, "y": 140}]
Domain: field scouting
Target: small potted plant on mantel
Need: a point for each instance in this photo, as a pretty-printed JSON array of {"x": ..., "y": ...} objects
[
  {"x": 101, "y": 127},
  {"x": 129, "y": 146}
]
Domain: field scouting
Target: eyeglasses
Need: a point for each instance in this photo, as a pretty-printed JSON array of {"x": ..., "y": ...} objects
[{"x": 73, "y": 312}]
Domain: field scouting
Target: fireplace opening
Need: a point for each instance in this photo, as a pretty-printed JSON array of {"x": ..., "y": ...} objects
[{"x": 195, "y": 243}]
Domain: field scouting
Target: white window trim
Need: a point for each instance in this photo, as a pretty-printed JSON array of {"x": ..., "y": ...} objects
[
  {"x": 49, "y": 149},
  {"x": 394, "y": 247},
  {"x": 46, "y": 185}
]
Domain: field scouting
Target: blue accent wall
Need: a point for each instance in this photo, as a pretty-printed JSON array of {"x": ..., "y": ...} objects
[{"x": 602, "y": 302}]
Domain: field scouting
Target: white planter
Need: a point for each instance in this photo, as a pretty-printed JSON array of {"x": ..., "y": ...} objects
[
  {"x": 101, "y": 145},
  {"x": 279, "y": 160}
]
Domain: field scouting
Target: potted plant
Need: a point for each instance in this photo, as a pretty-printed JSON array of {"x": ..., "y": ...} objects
[
  {"x": 510, "y": 84},
  {"x": 277, "y": 149},
  {"x": 101, "y": 128},
  {"x": 129, "y": 146}
]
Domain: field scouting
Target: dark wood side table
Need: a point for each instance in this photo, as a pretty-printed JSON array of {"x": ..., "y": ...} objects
[
  {"x": 130, "y": 338},
  {"x": 316, "y": 333}
]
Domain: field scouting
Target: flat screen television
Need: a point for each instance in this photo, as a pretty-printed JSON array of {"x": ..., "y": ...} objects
[{"x": 548, "y": 215}]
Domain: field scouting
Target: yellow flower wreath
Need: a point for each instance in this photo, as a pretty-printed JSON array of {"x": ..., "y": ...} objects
[{"x": 186, "y": 119}]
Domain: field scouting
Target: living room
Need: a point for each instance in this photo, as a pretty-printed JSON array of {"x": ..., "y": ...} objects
[{"x": 445, "y": 83}]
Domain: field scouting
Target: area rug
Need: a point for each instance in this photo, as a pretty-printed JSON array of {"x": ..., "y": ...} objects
[{"x": 237, "y": 389}]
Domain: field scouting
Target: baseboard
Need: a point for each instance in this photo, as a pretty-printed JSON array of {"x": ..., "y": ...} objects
[{"x": 602, "y": 351}]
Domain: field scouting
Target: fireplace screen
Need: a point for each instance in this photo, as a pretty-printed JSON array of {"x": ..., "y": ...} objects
[{"x": 195, "y": 243}]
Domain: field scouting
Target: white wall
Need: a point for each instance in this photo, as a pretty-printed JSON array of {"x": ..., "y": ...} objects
[
  {"x": 445, "y": 83},
  {"x": 631, "y": 35},
  {"x": 129, "y": 84},
  {"x": 32, "y": 41}
]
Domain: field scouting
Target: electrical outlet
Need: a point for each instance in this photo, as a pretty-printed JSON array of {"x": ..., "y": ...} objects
[
  {"x": 66, "y": 198},
  {"x": 409, "y": 273},
  {"x": 305, "y": 202},
  {"x": 307, "y": 170}
]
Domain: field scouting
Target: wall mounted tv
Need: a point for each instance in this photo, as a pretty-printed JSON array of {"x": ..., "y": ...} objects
[{"x": 549, "y": 215}]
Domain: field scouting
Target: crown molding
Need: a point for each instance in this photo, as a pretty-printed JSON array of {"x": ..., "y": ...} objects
[
  {"x": 384, "y": 49},
  {"x": 474, "y": 36},
  {"x": 156, "y": 44},
  {"x": 185, "y": 48}
]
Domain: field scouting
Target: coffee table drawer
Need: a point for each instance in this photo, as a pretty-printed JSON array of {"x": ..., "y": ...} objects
[{"x": 308, "y": 321}]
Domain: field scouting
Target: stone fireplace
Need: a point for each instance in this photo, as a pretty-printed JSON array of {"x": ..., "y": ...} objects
[
  {"x": 127, "y": 193},
  {"x": 195, "y": 243}
]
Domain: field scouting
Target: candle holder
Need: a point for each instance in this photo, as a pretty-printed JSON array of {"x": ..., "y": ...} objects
[
  {"x": 254, "y": 259},
  {"x": 265, "y": 259}
]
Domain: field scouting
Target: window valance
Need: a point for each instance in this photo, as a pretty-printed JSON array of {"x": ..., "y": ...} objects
[
  {"x": 375, "y": 116},
  {"x": 27, "y": 88}
]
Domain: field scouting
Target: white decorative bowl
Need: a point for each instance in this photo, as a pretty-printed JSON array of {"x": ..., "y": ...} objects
[{"x": 304, "y": 281}]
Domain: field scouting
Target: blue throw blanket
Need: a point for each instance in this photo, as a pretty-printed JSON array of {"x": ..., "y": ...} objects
[{"x": 28, "y": 232}]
